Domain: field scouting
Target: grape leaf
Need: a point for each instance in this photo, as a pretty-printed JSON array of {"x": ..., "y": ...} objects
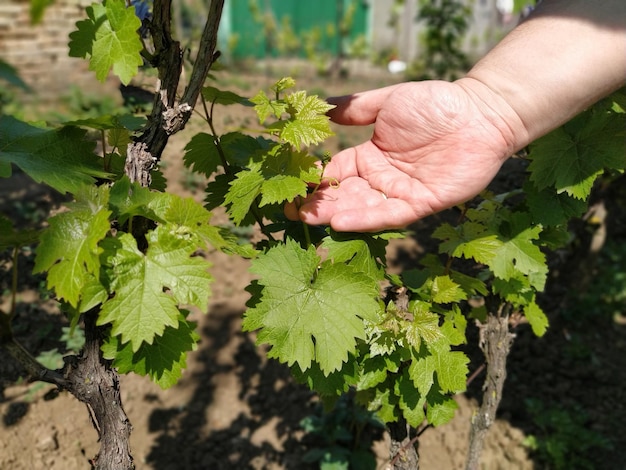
[
  {"x": 310, "y": 310},
  {"x": 549, "y": 208},
  {"x": 266, "y": 107},
  {"x": 411, "y": 401},
  {"x": 309, "y": 123},
  {"x": 109, "y": 39},
  {"x": 360, "y": 250},
  {"x": 214, "y": 95},
  {"x": 451, "y": 367},
  {"x": 327, "y": 385},
  {"x": 445, "y": 290},
  {"x": 131, "y": 199},
  {"x": 9, "y": 237},
  {"x": 201, "y": 154},
  {"x": 141, "y": 309},
  {"x": 440, "y": 409},
  {"x": 518, "y": 252},
  {"x": 424, "y": 325},
  {"x": 374, "y": 372},
  {"x": 286, "y": 173},
  {"x": 9, "y": 74},
  {"x": 422, "y": 370},
  {"x": 469, "y": 240},
  {"x": 244, "y": 189},
  {"x": 385, "y": 403},
  {"x": 163, "y": 360},
  {"x": 62, "y": 159},
  {"x": 192, "y": 220},
  {"x": 281, "y": 188},
  {"x": 454, "y": 326},
  {"x": 69, "y": 248},
  {"x": 572, "y": 156},
  {"x": 537, "y": 319},
  {"x": 283, "y": 84}
]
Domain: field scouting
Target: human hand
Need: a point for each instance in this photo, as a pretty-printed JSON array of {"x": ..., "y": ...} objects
[{"x": 434, "y": 145}]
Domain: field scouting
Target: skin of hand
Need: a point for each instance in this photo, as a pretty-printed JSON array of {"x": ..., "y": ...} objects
[{"x": 436, "y": 144}]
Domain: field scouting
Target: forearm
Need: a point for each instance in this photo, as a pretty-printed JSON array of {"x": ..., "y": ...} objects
[{"x": 566, "y": 56}]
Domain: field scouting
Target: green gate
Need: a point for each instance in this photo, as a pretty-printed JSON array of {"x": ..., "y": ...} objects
[{"x": 262, "y": 28}]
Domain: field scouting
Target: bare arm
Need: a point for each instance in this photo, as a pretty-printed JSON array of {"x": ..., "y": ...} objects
[{"x": 566, "y": 56}]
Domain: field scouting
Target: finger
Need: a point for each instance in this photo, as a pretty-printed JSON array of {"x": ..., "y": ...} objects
[
  {"x": 370, "y": 217},
  {"x": 359, "y": 109},
  {"x": 391, "y": 214},
  {"x": 291, "y": 210}
]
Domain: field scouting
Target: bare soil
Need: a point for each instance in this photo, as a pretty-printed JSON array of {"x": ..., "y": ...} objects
[{"x": 235, "y": 409}]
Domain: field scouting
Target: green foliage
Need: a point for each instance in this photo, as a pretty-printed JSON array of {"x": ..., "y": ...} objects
[
  {"x": 108, "y": 38},
  {"x": 323, "y": 302},
  {"x": 61, "y": 158},
  {"x": 309, "y": 309},
  {"x": 342, "y": 437},
  {"x": 564, "y": 440},
  {"x": 569, "y": 158},
  {"x": 445, "y": 23},
  {"x": 37, "y": 9},
  {"x": 140, "y": 292}
]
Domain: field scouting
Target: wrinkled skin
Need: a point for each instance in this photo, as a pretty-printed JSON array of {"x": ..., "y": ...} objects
[{"x": 435, "y": 144}]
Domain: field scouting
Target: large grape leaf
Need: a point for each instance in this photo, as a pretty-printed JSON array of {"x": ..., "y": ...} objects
[
  {"x": 69, "y": 248},
  {"x": 572, "y": 156},
  {"x": 310, "y": 310},
  {"x": 163, "y": 360},
  {"x": 109, "y": 39},
  {"x": 62, "y": 159},
  {"x": 149, "y": 288}
]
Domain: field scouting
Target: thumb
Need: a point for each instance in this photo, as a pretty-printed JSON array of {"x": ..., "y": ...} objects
[{"x": 359, "y": 109}]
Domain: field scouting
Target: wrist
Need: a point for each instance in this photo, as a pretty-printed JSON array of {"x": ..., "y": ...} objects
[
  {"x": 497, "y": 112},
  {"x": 565, "y": 57}
]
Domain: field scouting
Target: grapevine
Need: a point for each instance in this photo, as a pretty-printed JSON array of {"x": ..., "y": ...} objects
[{"x": 124, "y": 258}]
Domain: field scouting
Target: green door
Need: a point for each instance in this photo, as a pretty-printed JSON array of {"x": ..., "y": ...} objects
[{"x": 253, "y": 28}]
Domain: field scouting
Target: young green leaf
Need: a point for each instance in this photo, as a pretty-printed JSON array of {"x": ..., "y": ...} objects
[
  {"x": 537, "y": 319},
  {"x": 440, "y": 409},
  {"x": 109, "y": 39},
  {"x": 451, "y": 367},
  {"x": 424, "y": 325},
  {"x": 266, "y": 107},
  {"x": 243, "y": 191},
  {"x": 444, "y": 290},
  {"x": 310, "y": 310},
  {"x": 69, "y": 248},
  {"x": 309, "y": 123},
  {"x": 411, "y": 401}
]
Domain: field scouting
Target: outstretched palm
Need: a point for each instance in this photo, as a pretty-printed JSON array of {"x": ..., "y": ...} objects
[{"x": 434, "y": 145}]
